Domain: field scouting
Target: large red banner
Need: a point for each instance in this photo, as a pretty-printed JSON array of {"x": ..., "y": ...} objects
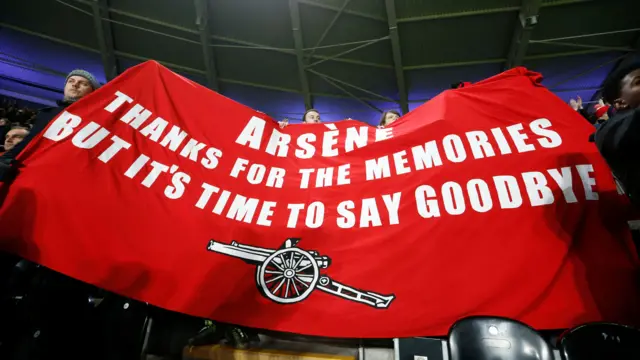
[{"x": 488, "y": 199}]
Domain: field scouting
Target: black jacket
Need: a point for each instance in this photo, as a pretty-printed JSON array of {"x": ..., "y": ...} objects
[{"x": 618, "y": 140}]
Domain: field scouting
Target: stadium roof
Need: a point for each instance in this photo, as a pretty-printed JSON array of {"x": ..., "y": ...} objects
[{"x": 349, "y": 58}]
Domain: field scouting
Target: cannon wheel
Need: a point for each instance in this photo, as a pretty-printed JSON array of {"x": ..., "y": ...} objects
[{"x": 288, "y": 275}]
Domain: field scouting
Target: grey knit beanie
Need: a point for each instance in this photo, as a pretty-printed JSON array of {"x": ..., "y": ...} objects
[{"x": 87, "y": 75}]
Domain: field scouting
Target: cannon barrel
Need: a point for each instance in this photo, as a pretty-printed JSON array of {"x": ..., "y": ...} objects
[
  {"x": 255, "y": 254},
  {"x": 247, "y": 253}
]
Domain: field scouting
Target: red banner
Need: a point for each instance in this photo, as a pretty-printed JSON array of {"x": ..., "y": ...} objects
[{"x": 488, "y": 199}]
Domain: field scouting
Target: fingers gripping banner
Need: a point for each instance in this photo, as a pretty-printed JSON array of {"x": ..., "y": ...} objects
[{"x": 478, "y": 202}]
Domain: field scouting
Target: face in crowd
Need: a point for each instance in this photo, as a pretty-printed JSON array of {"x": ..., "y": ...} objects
[
  {"x": 388, "y": 117},
  {"x": 629, "y": 91},
  {"x": 77, "y": 87},
  {"x": 311, "y": 117},
  {"x": 14, "y": 137}
]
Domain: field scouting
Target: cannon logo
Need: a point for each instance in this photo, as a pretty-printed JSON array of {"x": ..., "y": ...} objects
[{"x": 289, "y": 274}]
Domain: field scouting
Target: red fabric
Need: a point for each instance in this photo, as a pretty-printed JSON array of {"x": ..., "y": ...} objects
[
  {"x": 565, "y": 261},
  {"x": 601, "y": 110}
]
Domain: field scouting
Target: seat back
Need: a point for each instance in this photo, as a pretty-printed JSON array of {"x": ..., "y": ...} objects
[
  {"x": 494, "y": 338},
  {"x": 597, "y": 341}
]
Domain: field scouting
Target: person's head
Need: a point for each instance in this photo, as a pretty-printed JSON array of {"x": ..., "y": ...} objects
[
  {"x": 14, "y": 136},
  {"x": 311, "y": 116},
  {"x": 622, "y": 87},
  {"x": 389, "y": 117},
  {"x": 79, "y": 83}
]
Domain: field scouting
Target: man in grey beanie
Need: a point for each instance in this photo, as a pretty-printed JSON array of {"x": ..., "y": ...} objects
[{"x": 78, "y": 84}]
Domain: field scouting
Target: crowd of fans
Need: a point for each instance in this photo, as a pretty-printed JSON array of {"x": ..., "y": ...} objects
[
  {"x": 15, "y": 123},
  {"x": 56, "y": 306}
]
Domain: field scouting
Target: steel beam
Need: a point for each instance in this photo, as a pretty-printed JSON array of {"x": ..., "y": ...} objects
[
  {"x": 476, "y": 12},
  {"x": 202, "y": 21},
  {"x": 332, "y": 57},
  {"x": 582, "y": 46},
  {"x": 381, "y": 97},
  {"x": 365, "y": 103},
  {"x": 527, "y": 20},
  {"x": 249, "y": 45},
  {"x": 105, "y": 37},
  {"x": 294, "y": 11},
  {"x": 397, "y": 55},
  {"x": 329, "y": 27},
  {"x": 350, "y": 12}
]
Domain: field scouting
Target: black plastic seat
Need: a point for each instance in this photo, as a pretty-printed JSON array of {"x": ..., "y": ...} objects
[
  {"x": 600, "y": 341},
  {"x": 495, "y": 338}
]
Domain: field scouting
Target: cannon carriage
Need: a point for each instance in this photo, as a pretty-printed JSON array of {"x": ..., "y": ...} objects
[{"x": 289, "y": 274}]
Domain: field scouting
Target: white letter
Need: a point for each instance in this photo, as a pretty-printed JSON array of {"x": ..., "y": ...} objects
[
  {"x": 503, "y": 145},
  {"x": 426, "y": 156},
  {"x": 251, "y": 135},
  {"x": 111, "y": 151},
  {"x": 357, "y": 137},
  {"x": 315, "y": 215},
  {"x": 191, "y": 149},
  {"x": 508, "y": 191},
  {"x": 399, "y": 160},
  {"x": 276, "y": 177},
  {"x": 306, "y": 174},
  {"x": 294, "y": 213},
  {"x": 206, "y": 195},
  {"x": 346, "y": 220},
  {"x": 62, "y": 126},
  {"x": 154, "y": 130},
  {"x": 152, "y": 176},
  {"x": 453, "y": 198},
  {"x": 137, "y": 165},
  {"x": 80, "y": 138},
  {"x": 384, "y": 134},
  {"x": 426, "y": 208},
  {"x": 265, "y": 213},
  {"x": 307, "y": 149},
  {"x": 551, "y": 138},
  {"x": 329, "y": 139},
  {"x": 211, "y": 161},
  {"x": 378, "y": 168},
  {"x": 138, "y": 114},
  {"x": 369, "y": 215},
  {"x": 565, "y": 183},
  {"x": 221, "y": 203},
  {"x": 343, "y": 175},
  {"x": 178, "y": 180},
  {"x": 324, "y": 177},
  {"x": 519, "y": 138},
  {"x": 242, "y": 209},
  {"x": 479, "y": 195},
  {"x": 539, "y": 192},
  {"x": 256, "y": 174},
  {"x": 278, "y": 142},
  {"x": 174, "y": 138},
  {"x": 479, "y": 143},
  {"x": 392, "y": 202},
  {"x": 454, "y": 148},
  {"x": 240, "y": 165},
  {"x": 120, "y": 99},
  {"x": 587, "y": 181}
]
